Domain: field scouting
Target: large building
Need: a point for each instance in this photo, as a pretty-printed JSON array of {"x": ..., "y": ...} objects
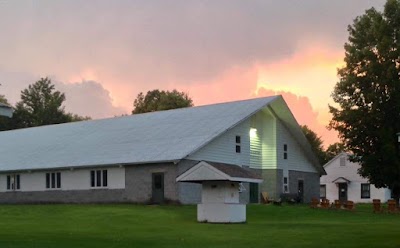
[
  {"x": 137, "y": 158},
  {"x": 343, "y": 182}
]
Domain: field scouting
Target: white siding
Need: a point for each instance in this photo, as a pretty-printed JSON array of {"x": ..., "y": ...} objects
[
  {"x": 349, "y": 171},
  {"x": 223, "y": 148},
  {"x": 263, "y": 145},
  {"x": 70, "y": 179},
  {"x": 296, "y": 158}
]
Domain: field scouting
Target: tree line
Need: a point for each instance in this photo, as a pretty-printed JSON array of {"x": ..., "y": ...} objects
[{"x": 41, "y": 104}]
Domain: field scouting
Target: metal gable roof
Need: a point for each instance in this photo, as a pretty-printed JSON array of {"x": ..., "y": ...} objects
[{"x": 143, "y": 138}]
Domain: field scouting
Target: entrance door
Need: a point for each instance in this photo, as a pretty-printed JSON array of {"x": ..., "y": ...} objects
[
  {"x": 158, "y": 188},
  {"x": 342, "y": 192},
  {"x": 300, "y": 190},
  {"x": 254, "y": 193}
]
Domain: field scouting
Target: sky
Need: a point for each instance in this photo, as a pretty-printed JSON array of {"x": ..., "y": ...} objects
[{"x": 101, "y": 54}]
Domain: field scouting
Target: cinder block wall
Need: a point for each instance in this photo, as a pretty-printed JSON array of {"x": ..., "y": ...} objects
[{"x": 311, "y": 184}]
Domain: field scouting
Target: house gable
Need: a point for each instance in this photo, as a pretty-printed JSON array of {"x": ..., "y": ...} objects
[{"x": 336, "y": 169}]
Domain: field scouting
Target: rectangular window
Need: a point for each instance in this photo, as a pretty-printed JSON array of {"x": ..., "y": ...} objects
[
  {"x": 342, "y": 161},
  {"x": 13, "y": 182},
  {"x": 285, "y": 185},
  {"x": 104, "y": 178},
  {"x": 238, "y": 150},
  {"x": 92, "y": 178},
  {"x": 365, "y": 190},
  {"x": 8, "y": 182},
  {"x": 238, "y": 141},
  {"x": 18, "y": 181},
  {"x": 58, "y": 179},
  {"x": 322, "y": 191},
  {"x": 53, "y": 180},
  {"x": 98, "y": 178},
  {"x": 47, "y": 180},
  {"x": 285, "y": 155}
]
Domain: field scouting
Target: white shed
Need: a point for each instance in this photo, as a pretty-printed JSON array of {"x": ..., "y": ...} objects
[{"x": 220, "y": 191}]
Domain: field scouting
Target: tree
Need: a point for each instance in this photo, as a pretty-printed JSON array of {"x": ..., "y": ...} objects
[
  {"x": 316, "y": 144},
  {"x": 157, "y": 100},
  {"x": 41, "y": 105},
  {"x": 333, "y": 150},
  {"x": 4, "y": 121},
  {"x": 367, "y": 115}
]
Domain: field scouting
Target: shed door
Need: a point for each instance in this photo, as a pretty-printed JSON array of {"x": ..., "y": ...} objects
[
  {"x": 300, "y": 190},
  {"x": 254, "y": 193},
  {"x": 158, "y": 188}
]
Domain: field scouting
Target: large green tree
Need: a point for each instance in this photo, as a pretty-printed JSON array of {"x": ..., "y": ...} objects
[
  {"x": 157, "y": 100},
  {"x": 333, "y": 150},
  {"x": 41, "y": 104},
  {"x": 4, "y": 120},
  {"x": 367, "y": 114},
  {"x": 316, "y": 144}
]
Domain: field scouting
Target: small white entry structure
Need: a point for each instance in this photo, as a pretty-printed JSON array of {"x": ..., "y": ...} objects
[{"x": 220, "y": 191}]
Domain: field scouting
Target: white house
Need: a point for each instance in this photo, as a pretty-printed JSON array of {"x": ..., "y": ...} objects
[
  {"x": 137, "y": 158},
  {"x": 343, "y": 182}
]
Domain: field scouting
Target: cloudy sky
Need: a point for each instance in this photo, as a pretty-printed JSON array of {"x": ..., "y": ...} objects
[{"x": 103, "y": 53}]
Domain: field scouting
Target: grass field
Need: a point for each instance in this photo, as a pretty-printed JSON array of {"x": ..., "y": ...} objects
[{"x": 175, "y": 226}]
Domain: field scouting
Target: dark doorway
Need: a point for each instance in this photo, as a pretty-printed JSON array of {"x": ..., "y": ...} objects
[
  {"x": 254, "y": 193},
  {"x": 158, "y": 188},
  {"x": 300, "y": 190},
  {"x": 342, "y": 192}
]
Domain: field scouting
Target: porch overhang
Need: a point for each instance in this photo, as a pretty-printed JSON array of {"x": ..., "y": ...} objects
[{"x": 341, "y": 180}]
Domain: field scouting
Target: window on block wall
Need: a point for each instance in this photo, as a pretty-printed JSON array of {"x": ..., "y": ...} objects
[
  {"x": 53, "y": 180},
  {"x": 238, "y": 143},
  {"x": 285, "y": 185},
  {"x": 13, "y": 182},
  {"x": 98, "y": 178}
]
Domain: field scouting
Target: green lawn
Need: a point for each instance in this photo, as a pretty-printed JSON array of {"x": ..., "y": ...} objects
[{"x": 175, "y": 226}]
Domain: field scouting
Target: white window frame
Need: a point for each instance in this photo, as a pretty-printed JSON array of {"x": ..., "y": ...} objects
[
  {"x": 57, "y": 181},
  {"x": 320, "y": 187},
  {"x": 12, "y": 182},
  {"x": 286, "y": 185},
  {"x": 94, "y": 182}
]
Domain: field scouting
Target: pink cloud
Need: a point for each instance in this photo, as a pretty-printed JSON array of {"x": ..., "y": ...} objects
[{"x": 304, "y": 113}]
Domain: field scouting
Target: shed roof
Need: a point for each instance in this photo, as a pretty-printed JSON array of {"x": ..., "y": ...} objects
[
  {"x": 211, "y": 171},
  {"x": 164, "y": 136}
]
